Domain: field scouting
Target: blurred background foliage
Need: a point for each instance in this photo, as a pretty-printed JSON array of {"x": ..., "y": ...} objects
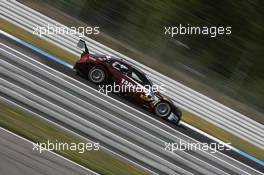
[{"x": 232, "y": 64}]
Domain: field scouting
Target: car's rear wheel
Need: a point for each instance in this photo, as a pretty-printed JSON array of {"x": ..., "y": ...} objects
[
  {"x": 97, "y": 75},
  {"x": 162, "y": 109}
]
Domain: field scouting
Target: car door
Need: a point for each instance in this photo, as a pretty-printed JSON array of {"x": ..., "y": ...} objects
[
  {"x": 119, "y": 76},
  {"x": 137, "y": 79}
]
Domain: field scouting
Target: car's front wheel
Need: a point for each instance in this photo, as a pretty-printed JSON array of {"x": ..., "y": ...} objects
[
  {"x": 162, "y": 109},
  {"x": 97, "y": 75}
]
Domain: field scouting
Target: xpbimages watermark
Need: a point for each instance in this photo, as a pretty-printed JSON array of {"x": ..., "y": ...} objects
[
  {"x": 64, "y": 146},
  {"x": 128, "y": 87},
  {"x": 183, "y": 146},
  {"x": 211, "y": 31},
  {"x": 63, "y": 30}
]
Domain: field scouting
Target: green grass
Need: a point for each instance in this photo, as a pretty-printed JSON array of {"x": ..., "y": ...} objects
[
  {"x": 190, "y": 118},
  {"x": 38, "y": 130}
]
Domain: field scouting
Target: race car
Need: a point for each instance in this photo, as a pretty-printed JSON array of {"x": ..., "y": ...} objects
[{"x": 127, "y": 81}]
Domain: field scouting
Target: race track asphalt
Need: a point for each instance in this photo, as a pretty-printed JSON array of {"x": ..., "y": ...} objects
[{"x": 18, "y": 158}]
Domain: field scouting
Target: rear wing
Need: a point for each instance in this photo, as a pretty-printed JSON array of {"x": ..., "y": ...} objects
[{"x": 81, "y": 44}]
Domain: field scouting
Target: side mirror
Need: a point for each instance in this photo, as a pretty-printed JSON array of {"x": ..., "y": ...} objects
[{"x": 81, "y": 44}]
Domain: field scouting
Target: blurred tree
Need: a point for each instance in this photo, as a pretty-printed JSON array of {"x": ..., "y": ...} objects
[{"x": 236, "y": 58}]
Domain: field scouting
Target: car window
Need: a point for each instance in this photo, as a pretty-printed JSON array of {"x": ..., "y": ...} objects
[
  {"x": 120, "y": 67},
  {"x": 135, "y": 77},
  {"x": 141, "y": 78},
  {"x": 116, "y": 65}
]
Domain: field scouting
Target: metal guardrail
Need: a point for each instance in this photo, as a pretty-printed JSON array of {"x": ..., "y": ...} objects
[{"x": 188, "y": 99}]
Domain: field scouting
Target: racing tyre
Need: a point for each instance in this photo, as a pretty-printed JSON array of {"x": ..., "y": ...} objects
[
  {"x": 162, "y": 109},
  {"x": 97, "y": 75}
]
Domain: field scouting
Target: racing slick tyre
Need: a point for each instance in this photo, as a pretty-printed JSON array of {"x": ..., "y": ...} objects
[
  {"x": 162, "y": 109},
  {"x": 97, "y": 75}
]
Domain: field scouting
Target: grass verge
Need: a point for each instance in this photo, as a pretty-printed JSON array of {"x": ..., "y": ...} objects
[
  {"x": 38, "y": 130},
  {"x": 193, "y": 120}
]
